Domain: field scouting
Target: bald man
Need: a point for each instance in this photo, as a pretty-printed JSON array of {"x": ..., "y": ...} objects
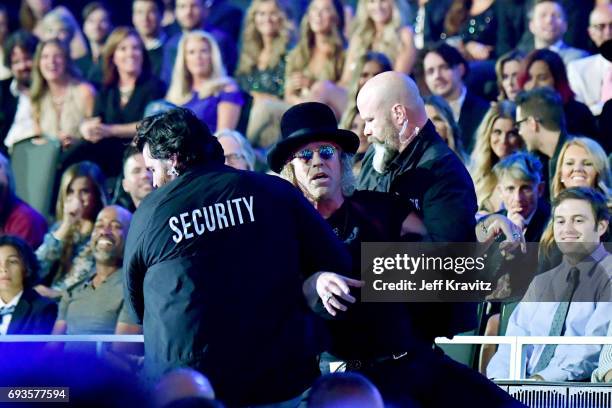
[
  {"x": 408, "y": 158},
  {"x": 586, "y": 75}
]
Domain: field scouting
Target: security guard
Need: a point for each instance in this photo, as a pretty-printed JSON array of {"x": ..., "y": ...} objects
[{"x": 215, "y": 262}]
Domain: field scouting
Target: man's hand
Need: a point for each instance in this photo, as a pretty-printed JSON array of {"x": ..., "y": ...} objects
[
  {"x": 329, "y": 287},
  {"x": 537, "y": 377},
  {"x": 493, "y": 226}
]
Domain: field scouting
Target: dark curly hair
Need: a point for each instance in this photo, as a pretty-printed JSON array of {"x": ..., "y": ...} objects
[
  {"x": 27, "y": 257},
  {"x": 179, "y": 132}
]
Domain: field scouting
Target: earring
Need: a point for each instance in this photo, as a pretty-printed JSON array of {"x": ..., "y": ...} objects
[{"x": 173, "y": 172}]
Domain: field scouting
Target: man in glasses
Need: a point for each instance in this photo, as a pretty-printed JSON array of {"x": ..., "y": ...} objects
[
  {"x": 383, "y": 341},
  {"x": 240, "y": 320},
  {"x": 540, "y": 121}
]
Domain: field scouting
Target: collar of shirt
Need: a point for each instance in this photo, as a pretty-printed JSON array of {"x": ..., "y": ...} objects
[
  {"x": 403, "y": 161},
  {"x": 157, "y": 42},
  {"x": 14, "y": 88},
  {"x": 586, "y": 266},
  {"x": 530, "y": 217},
  {"x": 458, "y": 103},
  {"x": 558, "y": 46},
  {"x": 12, "y": 302}
]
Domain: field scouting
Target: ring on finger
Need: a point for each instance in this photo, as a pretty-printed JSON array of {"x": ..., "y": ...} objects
[{"x": 327, "y": 296}]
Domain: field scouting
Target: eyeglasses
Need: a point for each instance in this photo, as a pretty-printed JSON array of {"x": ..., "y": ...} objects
[
  {"x": 233, "y": 157},
  {"x": 326, "y": 152},
  {"x": 602, "y": 26}
]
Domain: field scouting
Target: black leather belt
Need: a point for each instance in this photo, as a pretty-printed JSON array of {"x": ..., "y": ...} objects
[{"x": 353, "y": 365}]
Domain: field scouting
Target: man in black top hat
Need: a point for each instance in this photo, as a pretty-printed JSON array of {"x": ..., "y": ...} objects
[
  {"x": 382, "y": 340},
  {"x": 241, "y": 320}
]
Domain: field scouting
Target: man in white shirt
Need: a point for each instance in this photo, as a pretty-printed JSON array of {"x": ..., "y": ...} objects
[
  {"x": 548, "y": 24},
  {"x": 586, "y": 75},
  {"x": 572, "y": 299}
]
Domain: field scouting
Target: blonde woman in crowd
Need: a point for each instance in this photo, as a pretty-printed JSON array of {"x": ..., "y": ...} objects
[
  {"x": 380, "y": 25},
  {"x": 314, "y": 66},
  {"x": 199, "y": 83},
  {"x": 60, "y": 99},
  {"x": 507, "y": 70},
  {"x": 261, "y": 70},
  {"x": 31, "y": 13},
  {"x": 497, "y": 137},
  {"x": 60, "y": 23}
]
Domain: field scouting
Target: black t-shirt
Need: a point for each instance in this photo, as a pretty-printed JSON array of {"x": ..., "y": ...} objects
[
  {"x": 370, "y": 330},
  {"x": 214, "y": 265}
]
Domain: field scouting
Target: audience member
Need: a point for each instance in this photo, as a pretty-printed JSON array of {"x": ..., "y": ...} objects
[
  {"x": 441, "y": 115},
  {"x": 261, "y": 71},
  {"x": 5, "y": 71},
  {"x": 199, "y": 83},
  {"x": 507, "y": 69},
  {"x": 16, "y": 216},
  {"x": 497, "y": 137},
  {"x": 314, "y": 66},
  {"x": 15, "y": 106},
  {"x": 147, "y": 20},
  {"x": 128, "y": 87},
  {"x": 96, "y": 27},
  {"x": 81, "y": 197},
  {"x": 380, "y": 26},
  {"x": 22, "y": 310},
  {"x": 545, "y": 68},
  {"x": 192, "y": 15},
  {"x": 60, "y": 99},
  {"x": 237, "y": 150},
  {"x": 548, "y": 23},
  {"x": 60, "y": 24},
  {"x": 351, "y": 120},
  {"x": 344, "y": 390},
  {"x": 180, "y": 384},
  {"x": 96, "y": 306},
  {"x": 541, "y": 123},
  {"x": 137, "y": 181},
  {"x": 588, "y": 75},
  {"x": 572, "y": 299},
  {"x": 445, "y": 70},
  {"x": 31, "y": 14}
]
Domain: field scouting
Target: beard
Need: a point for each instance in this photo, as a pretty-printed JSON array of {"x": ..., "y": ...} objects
[{"x": 384, "y": 152}]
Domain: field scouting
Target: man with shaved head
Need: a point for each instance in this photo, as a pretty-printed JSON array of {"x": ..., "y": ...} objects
[
  {"x": 587, "y": 75},
  {"x": 409, "y": 159}
]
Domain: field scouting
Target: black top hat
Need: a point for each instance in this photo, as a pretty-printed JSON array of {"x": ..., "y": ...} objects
[
  {"x": 306, "y": 123},
  {"x": 605, "y": 50}
]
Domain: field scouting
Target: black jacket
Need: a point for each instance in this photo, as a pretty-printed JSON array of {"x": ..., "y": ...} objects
[
  {"x": 8, "y": 108},
  {"x": 33, "y": 314},
  {"x": 432, "y": 178},
  {"x": 214, "y": 266},
  {"x": 473, "y": 110}
]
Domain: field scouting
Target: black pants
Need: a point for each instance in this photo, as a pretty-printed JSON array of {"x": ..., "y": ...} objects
[{"x": 431, "y": 379}]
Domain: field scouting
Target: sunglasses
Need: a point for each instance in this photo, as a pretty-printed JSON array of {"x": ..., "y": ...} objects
[{"x": 326, "y": 152}]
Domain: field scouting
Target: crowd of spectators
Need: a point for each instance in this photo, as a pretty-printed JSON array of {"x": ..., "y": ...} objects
[{"x": 520, "y": 91}]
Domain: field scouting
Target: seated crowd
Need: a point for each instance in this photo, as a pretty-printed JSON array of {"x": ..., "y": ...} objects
[{"x": 521, "y": 92}]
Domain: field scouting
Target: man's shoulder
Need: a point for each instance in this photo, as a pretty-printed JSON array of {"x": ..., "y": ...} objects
[{"x": 578, "y": 65}]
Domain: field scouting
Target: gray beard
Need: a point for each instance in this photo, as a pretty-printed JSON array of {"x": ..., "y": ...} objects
[{"x": 383, "y": 155}]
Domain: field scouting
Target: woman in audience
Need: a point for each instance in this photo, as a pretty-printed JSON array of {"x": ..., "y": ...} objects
[
  {"x": 351, "y": 120},
  {"x": 261, "y": 70},
  {"x": 199, "y": 83},
  {"x": 497, "y": 137},
  {"x": 237, "y": 150},
  {"x": 60, "y": 23},
  {"x": 96, "y": 26},
  {"x": 22, "y": 310},
  {"x": 31, "y": 14},
  {"x": 441, "y": 115},
  {"x": 81, "y": 197},
  {"x": 507, "y": 69},
  {"x": 380, "y": 26},
  {"x": 60, "y": 100},
  {"x": 128, "y": 87},
  {"x": 314, "y": 66},
  {"x": 545, "y": 68},
  {"x": 582, "y": 163}
]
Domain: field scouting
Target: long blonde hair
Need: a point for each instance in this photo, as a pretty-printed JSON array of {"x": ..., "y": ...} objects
[
  {"x": 603, "y": 180},
  {"x": 483, "y": 159},
  {"x": 300, "y": 56},
  {"x": 180, "y": 90},
  {"x": 39, "y": 86},
  {"x": 363, "y": 31},
  {"x": 252, "y": 42}
]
